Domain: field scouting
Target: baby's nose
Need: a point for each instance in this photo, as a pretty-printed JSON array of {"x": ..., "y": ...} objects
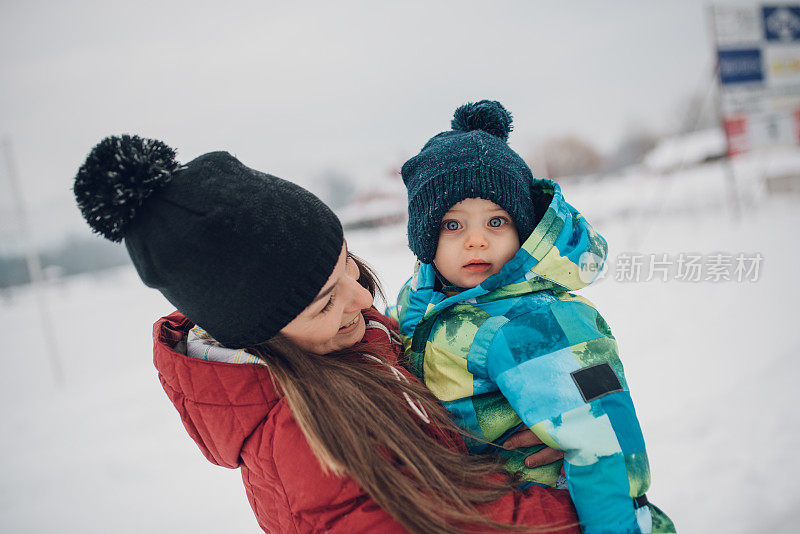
[{"x": 476, "y": 239}]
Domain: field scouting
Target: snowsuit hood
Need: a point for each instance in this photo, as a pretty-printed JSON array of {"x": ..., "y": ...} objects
[{"x": 562, "y": 252}]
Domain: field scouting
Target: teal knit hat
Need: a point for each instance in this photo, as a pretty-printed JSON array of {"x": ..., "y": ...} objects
[{"x": 472, "y": 160}]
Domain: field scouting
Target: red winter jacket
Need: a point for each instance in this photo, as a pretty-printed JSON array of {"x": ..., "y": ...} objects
[{"x": 238, "y": 419}]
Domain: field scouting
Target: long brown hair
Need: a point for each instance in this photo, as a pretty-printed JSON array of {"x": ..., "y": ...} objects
[{"x": 352, "y": 412}]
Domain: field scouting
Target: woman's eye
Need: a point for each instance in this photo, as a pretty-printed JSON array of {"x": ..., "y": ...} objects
[
  {"x": 328, "y": 305},
  {"x": 496, "y": 222},
  {"x": 451, "y": 226}
]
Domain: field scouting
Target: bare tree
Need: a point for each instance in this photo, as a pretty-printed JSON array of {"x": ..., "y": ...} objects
[
  {"x": 570, "y": 156},
  {"x": 633, "y": 147},
  {"x": 335, "y": 187}
]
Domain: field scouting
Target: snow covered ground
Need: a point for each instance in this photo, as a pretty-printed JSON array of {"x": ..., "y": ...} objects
[{"x": 712, "y": 366}]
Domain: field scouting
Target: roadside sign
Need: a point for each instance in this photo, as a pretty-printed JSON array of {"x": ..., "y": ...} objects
[
  {"x": 758, "y": 55},
  {"x": 739, "y": 66},
  {"x": 781, "y": 24}
]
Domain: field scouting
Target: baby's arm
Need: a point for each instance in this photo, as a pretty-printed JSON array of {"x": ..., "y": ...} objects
[{"x": 575, "y": 399}]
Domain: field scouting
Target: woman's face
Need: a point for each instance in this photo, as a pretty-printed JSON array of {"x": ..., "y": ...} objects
[{"x": 333, "y": 321}]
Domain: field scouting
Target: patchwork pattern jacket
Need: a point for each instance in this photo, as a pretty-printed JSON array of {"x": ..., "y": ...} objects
[{"x": 520, "y": 348}]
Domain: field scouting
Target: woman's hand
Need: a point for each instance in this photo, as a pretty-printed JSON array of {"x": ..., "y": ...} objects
[{"x": 526, "y": 438}]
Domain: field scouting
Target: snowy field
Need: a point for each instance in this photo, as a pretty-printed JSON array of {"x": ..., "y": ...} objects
[{"x": 713, "y": 369}]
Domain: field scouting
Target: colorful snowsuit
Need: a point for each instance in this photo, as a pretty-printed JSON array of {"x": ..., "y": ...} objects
[
  {"x": 239, "y": 419},
  {"x": 520, "y": 349}
]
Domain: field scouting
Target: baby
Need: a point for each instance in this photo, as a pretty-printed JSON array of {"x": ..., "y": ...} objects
[{"x": 490, "y": 326}]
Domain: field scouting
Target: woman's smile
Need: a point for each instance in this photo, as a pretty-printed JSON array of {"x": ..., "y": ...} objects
[{"x": 346, "y": 329}]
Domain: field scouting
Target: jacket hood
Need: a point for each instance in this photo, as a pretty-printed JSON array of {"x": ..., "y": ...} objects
[
  {"x": 563, "y": 252},
  {"x": 221, "y": 404}
]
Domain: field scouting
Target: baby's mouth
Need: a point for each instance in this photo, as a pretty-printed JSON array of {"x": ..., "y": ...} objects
[{"x": 477, "y": 265}]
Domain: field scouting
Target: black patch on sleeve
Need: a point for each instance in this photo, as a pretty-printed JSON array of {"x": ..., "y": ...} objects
[{"x": 596, "y": 380}]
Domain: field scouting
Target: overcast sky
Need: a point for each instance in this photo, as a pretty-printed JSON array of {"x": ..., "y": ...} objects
[{"x": 299, "y": 89}]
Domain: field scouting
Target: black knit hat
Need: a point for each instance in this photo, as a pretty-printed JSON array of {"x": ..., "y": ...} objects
[
  {"x": 470, "y": 161},
  {"x": 239, "y": 252}
]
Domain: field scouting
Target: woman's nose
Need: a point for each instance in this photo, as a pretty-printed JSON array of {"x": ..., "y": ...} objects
[{"x": 361, "y": 298}]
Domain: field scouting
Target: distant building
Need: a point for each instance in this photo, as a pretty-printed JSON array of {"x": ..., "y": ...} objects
[
  {"x": 686, "y": 150},
  {"x": 383, "y": 204}
]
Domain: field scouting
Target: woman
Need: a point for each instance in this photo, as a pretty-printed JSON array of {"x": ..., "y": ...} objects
[{"x": 293, "y": 376}]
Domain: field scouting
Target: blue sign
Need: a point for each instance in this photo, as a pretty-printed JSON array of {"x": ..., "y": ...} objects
[
  {"x": 781, "y": 23},
  {"x": 740, "y": 66}
]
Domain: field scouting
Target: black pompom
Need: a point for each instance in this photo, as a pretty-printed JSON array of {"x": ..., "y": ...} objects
[
  {"x": 117, "y": 176},
  {"x": 487, "y": 115}
]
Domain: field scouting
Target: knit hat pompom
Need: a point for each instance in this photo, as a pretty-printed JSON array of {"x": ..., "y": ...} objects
[
  {"x": 118, "y": 175},
  {"x": 487, "y": 115}
]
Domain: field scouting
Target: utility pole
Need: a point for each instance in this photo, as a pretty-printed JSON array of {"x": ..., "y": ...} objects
[
  {"x": 730, "y": 174},
  {"x": 34, "y": 267}
]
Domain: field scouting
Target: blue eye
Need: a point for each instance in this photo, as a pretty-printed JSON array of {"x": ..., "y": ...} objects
[
  {"x": 496, "y": 222},
  {"x": 451, "y": 225}
]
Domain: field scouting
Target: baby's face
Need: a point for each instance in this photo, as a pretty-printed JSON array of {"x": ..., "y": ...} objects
[{"x": 476, "y": 238}]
